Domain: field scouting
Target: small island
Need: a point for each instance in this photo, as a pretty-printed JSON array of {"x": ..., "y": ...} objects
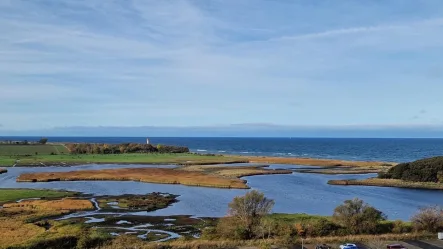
[
  {"x": 421, "y": 174},
  {"x": 216, "y": 176}
]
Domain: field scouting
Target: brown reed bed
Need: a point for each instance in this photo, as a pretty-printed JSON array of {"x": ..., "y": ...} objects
[
  {"x": 23, "y": 223},
  {"x": 52, "y": 205},
  {"x": 388, "y": 183},
  {"x": 224, "y": 177}
]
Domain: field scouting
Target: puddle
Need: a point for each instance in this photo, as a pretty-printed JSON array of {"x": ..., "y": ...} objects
[
  {"x": 94, "y": 220},
  {"x": 123, "y": 222}
]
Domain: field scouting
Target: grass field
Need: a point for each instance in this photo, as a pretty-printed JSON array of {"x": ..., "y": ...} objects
[
  {"x": 21, "y": 150},
  {"x": 8, "y": 195},
  {"x": 297, "y": 218},
  {"x": 151, "y": 158},
  {"x": 221, "y": 177},
  {"x": 388, "y": 183}
]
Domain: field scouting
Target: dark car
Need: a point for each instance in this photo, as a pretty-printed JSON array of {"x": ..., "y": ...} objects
[{"x": 396, "y": 246}]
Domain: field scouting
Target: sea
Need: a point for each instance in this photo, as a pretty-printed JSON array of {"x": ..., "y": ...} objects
[{"x": 357, "y": 149}]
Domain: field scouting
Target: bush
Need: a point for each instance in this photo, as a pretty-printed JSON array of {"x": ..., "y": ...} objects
[
  {"x": 358, "y": 217},
  {"x": 322, "y": 227},
  {"x": 401, "y": 227},
  {"x": 85, "y": 148},
  {"x": 43, "y": 140},
  {"x": 428, "y": 219},
  {"x": 425, "y": 170}
]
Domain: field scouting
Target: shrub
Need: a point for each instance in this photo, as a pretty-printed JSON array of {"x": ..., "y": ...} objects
[
  {"x": 85, "y": 148},
  {"x": 322, "y": 227},
  {"x": 425, "y": 170},
  {"x": 401, "y": 227},
  {"x": 43, "y": 140},
  {"x": 428, "y": 219},
  {"x": 358, "y": 217}
]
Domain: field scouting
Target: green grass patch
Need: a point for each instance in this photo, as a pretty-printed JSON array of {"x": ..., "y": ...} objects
[
  {"x": 10, "y": 195},
  {"x": 133, "y": 158},
  {"x": 21, "y": 150},
  {"x": 297, "y": 218}
]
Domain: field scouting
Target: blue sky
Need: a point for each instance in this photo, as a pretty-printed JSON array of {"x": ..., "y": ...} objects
[{"x": 214, "y": 63}]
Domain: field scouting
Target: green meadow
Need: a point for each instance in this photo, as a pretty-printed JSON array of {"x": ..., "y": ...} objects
[
  {"x": 129, "y": 158},
  {"x": 22, "y": 150},
  {"x": 9, "y": 195}
]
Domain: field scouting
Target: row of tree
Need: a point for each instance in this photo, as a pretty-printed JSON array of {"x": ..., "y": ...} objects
[
  {"x": 249, "y": 219},
  {"x": 425, "y": 170},
  {"x": 88, "y": 148},
  {"x": 42, "y": 140}
]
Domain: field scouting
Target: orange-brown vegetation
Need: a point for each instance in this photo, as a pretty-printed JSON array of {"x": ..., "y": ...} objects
[
  {"x": 389, "y": 183},
  {"x": 19, "y": 221},
  {"x": 52, "y": 205},
  {"x": 218, "y": 179},
  {"x": 2, "y": 170},
  {"x": 316, "y": 162}
]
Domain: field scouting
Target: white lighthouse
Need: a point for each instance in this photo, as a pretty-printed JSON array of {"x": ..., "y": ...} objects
[{"x": 147, "y": 141}]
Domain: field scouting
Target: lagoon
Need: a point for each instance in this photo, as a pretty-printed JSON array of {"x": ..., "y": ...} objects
[{"x": 294, "y": 193}]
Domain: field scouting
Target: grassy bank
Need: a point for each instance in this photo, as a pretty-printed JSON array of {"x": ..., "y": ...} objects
[
  {"x": 9, "y": 195},
  {"x": 135, "y": 158},
  {"x": 40, "y": 149},
  {"x": 389, "y": 183},
  {"x": 316, "y": 162},
  {"x": 217, "y": 177}
]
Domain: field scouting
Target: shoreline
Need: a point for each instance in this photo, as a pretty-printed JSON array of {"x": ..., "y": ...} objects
[{"x": 376, "y": 182}]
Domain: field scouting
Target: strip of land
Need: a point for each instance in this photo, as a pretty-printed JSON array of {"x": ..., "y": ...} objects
[
  {"x": 316, "y": 162},
  {"x": 127, "y": 158},
  {"x": 8, "y": 195},
  {"x": 388, "y": 183},
  {"x": 213, "y": 176},
  {"x": 343, "y": 170}
]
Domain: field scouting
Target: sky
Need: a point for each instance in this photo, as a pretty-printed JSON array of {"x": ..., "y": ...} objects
[{"x": 72, "y": 67}]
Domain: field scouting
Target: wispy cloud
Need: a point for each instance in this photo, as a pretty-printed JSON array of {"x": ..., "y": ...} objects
[{"x": 192, "y": 63}]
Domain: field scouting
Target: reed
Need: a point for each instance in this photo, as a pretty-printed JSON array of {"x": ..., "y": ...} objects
[
  {"x": 388, "y": 183},
  {"x": 53, "y": 205},
  {"x": 217, "y": 179}
]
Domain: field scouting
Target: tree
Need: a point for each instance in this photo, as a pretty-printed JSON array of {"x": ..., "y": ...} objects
[
  {"x": 358, "y": 217},
  {"x": 43, "y": 140},
  {"x": 248, "y": 211},
  {"x": 428, "y": 219}
]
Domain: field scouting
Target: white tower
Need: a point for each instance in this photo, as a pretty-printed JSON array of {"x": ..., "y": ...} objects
[{"x": 147, "y": 141}]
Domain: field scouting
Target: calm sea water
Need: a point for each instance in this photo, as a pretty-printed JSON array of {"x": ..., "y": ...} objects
[{"x": 393, "y": 150}]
